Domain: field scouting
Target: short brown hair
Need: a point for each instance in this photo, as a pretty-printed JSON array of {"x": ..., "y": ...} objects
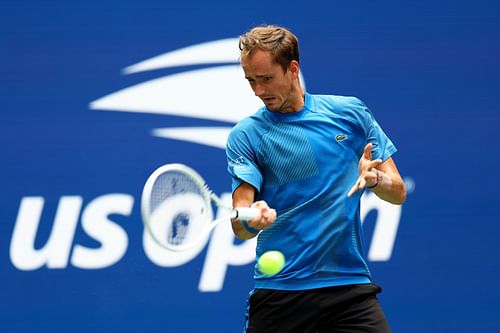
[{"x": 281, "y": 42}]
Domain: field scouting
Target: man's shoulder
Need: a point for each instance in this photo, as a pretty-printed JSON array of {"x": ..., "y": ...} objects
[
  {"x": 250, "y": 124},
  {"x": 338, "y": 102},
  {"x": 347, "y": 109}
]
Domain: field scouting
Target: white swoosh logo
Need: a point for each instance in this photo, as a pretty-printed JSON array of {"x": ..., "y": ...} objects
[
  {"x": 210, "y": 136},
  {"x": 215, "y": 52},
  {"x": 217, "y": 93}
]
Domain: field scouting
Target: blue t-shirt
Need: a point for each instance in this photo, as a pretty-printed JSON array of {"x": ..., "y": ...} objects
[{"x": 303, "y": 165}]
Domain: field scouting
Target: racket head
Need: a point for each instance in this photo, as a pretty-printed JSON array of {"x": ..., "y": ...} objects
[{"x": 176, "y": 207}]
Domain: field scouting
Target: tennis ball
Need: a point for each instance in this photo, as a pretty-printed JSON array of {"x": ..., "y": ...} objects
[{"x": 271, "y": 262}]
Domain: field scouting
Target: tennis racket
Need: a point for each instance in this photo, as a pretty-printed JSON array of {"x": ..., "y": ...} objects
[{"x": 176, "y": 207}]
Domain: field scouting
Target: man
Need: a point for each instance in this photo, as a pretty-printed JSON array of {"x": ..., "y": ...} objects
[{"x": 304, "y": 160}]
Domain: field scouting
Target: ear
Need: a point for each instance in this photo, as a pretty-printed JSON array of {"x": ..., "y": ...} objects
[{"x": 294, "y": 68}]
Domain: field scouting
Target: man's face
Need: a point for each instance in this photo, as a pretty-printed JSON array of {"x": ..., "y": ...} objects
[{"x": 269, "y": 82}]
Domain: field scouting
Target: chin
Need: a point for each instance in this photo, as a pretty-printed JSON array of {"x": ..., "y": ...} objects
[{"x": 275, "y": 107}]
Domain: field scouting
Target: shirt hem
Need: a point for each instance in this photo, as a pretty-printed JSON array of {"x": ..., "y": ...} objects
[{"x": 310, "y": 284}]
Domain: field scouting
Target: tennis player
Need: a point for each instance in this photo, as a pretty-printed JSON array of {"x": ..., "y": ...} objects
[{"x": 308, "y": 158}]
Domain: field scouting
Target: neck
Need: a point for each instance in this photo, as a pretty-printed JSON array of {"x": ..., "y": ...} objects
[{"x": 295, "y": 101}]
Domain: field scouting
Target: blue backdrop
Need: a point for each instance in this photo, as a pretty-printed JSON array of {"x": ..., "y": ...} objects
[{"x": 95, "y": 95}]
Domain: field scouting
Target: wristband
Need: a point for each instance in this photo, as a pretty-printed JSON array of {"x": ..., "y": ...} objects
[
  {"x": 248, "y": 228},
  {"x": 378, "y": 180}
]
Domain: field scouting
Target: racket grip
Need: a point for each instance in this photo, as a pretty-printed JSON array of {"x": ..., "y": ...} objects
[{"x": 246, "y": 213}]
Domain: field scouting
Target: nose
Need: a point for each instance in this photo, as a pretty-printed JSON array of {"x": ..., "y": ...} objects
[{"x": 258, "y": 89}]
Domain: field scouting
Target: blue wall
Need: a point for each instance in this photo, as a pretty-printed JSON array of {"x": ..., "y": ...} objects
[{"x": 73, "y": 256}]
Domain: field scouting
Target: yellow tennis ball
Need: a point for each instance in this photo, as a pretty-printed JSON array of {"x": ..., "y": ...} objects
[{"x": 271, "y": 262}]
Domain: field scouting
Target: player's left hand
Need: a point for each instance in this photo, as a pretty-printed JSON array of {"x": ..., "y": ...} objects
[{"x": 367, "y": 171}]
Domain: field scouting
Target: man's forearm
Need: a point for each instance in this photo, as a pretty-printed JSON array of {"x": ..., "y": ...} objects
[{"x": 389, "y": 187}]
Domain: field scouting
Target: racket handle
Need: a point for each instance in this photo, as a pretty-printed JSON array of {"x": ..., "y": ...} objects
[{"x": 246, "y": 213}]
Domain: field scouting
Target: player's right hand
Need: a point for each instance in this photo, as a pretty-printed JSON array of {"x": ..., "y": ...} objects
[{"x": 266, "y": 217}]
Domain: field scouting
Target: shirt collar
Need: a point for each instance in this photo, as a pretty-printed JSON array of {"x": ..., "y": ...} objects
[{"x": 309, "y": 105}]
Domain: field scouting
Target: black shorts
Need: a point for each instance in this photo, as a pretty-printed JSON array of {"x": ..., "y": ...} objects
[{"x": 349, "y": 309}]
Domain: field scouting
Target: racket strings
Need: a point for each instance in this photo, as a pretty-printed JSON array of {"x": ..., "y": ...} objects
[
  {"x": 169, "y": 188},
  {"x": 171, "y": 184},
  {"x": 179, "y": 230}
]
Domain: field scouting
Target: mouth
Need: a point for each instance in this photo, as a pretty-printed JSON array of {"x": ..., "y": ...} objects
[{"x": 268, "y": 100}]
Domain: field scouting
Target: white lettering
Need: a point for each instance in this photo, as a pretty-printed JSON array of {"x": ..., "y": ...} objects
[
  {"x": 113, "y": 239},
  {"x": 56, "y": 250},
  {"x": 386, "y": 226},
  {"x": 160, "y": 223},
  {"x": 222, "y": 252}
]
